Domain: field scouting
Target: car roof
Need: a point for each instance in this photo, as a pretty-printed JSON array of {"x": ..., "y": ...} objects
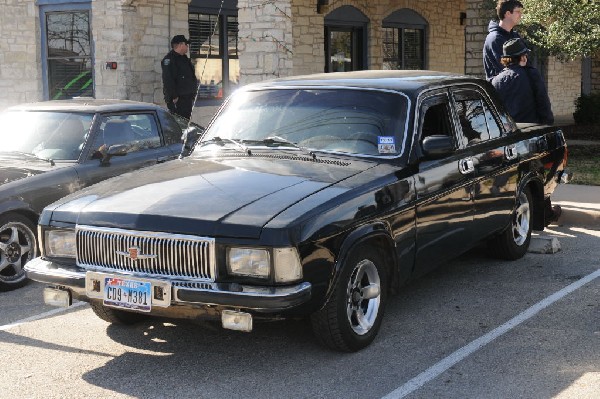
[
  {"x": 408, "y": 81},
  {"x": 85, "y": 104}
]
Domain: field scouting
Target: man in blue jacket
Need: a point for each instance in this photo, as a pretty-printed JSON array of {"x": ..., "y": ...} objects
[
  {"x": 525, "y": 97},
  {"x": 509, "y": 13},
  {"x": 521, "y": 87}
]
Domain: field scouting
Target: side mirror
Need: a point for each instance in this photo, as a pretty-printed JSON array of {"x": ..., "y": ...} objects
[
  {"x": 117, "y": 150},
  {"x": 437, "y": 145},
  {"x": 190, "y": 137}
]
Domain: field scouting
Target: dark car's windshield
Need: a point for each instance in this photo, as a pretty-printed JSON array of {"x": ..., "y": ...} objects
[
  {"x": 365, "y": 122},
  {"x": 45, "y": 134}
]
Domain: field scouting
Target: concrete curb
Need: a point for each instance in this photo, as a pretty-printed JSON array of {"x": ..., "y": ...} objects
[{"x": 578, "y": 214}]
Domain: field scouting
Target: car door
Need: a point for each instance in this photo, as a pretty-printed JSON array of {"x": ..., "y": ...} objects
[
  {"x": 493, "y": 156},
  {"x": 137, "y": 132},
  {"x": 443, "y": 186}
]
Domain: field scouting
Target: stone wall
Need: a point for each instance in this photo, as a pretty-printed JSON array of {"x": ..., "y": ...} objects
[
  {"x": 136, "y": 34},
  {"x": 20, "y": 66},
  {"x": 478, "y": 19},
  {"x": 564, "y": 86},
  {"x": 596, "y": 73},
  {"x": 446, "y": 41},
  {"x": 265, "y": 39}
]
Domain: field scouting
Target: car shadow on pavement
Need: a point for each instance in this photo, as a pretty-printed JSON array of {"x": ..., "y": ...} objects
[{"x": 431, "y": 318}]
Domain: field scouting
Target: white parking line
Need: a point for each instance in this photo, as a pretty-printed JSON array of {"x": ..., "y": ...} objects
[
  {"x": 443, "y": 365},
  {"x": 52, "y": 312}
]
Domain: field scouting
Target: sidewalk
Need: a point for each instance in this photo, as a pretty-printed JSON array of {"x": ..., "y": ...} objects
[{"x": 580, "y": 204}]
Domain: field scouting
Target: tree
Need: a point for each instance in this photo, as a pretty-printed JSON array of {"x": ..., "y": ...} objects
[{"x": 565, "y": 28}]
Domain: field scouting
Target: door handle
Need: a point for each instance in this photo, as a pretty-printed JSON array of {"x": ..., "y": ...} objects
[
  {"x": 466, "y": 166},
  {"x": 510, "y": 152}
]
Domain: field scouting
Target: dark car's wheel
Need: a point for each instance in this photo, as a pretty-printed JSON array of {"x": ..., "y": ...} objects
[
  {"x": 514, "y": 241},
  {"x": 116, "y": 316},
  {"x": 17, "y": 246},
  {"x": 352, "y": 316}
]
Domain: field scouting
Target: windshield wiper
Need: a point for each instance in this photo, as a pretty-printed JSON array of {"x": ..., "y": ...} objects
[
  {"x": 29, "y": 155},
  {"x": 221, "y": 141},
  {"x": 280, "y": 140}
]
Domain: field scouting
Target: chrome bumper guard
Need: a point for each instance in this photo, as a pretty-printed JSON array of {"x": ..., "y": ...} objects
[{"x": 201, "y": 293}]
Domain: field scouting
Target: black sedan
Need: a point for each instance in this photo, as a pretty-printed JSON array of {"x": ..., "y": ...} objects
[
  {"x": 308, "y": 196},
  {"x": 51, "y": 149}
]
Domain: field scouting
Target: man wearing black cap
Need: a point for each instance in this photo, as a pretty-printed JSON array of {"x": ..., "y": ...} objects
[
  {"x": 179, "y": 79},
  {"x": 521, "y": 86},
  {"x": 524, "y": 94}
]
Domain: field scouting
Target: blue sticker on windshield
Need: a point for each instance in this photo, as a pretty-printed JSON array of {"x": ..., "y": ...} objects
[{"x": 386, "y": 144}]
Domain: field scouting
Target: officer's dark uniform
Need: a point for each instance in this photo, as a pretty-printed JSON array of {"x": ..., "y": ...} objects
[{"x": 179, "y": 81}]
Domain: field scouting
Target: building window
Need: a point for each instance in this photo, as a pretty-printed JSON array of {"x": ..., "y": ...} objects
[
  {"x": 404, "y": 40},
  {"x": 67, "y": 47},
  {"x": 345, "y": 40},
  {"x": 214, "y": 47}
]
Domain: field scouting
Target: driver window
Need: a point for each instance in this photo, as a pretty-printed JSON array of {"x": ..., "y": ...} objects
[
  {"x": 435, "y": 120},
  {"x": 137, "y": 131}
]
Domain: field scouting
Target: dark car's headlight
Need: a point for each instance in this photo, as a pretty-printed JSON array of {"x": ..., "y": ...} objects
[
  {"x": 256, "y": 262},
  {"x": 60, "y": 243}
]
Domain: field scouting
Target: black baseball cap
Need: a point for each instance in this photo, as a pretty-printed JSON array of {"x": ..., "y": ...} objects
[
  {"x": 514, "y": 47},
  {"x": 179, "y": 39}
]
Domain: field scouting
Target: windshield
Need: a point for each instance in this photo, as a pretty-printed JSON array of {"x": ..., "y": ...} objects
[
  {"x": 48, "y": 135},
  {"x": 365, "y": 122}
]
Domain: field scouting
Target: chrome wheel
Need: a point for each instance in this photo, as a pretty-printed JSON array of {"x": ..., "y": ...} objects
[
  {"x": 522, "y": 218},
  {"x": 352, "y": 315},
  {"x": 17, "y": 246},
  {"x": 363, "y": 297}
]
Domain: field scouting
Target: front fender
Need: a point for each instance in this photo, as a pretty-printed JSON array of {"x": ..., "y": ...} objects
[
  {"x": 17, "y": 205},
  {"x": 376, "y": 233}
]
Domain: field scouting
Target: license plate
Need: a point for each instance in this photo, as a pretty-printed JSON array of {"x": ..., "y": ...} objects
[{"x": 128, "y": 294}]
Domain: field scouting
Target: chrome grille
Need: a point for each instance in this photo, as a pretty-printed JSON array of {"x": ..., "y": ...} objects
[{"x": 148, "y": 253}]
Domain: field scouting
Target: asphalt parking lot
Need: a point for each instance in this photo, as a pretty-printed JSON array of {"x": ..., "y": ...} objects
[{"x": 476, "y": 328}]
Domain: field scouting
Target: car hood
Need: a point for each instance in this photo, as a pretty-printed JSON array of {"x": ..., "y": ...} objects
[
  {"x": 14, "y": 167},
  {"x": 219, "y": 197}
]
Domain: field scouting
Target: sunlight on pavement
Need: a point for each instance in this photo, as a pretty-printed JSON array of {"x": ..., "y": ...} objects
[{"x": 586, "y": 386}]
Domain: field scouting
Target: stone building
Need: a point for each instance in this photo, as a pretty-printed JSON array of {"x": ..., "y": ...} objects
[{"x": 112, "y": 48}]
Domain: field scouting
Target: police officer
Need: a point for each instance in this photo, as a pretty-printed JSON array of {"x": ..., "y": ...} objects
[{"x": 179, "y": 79}]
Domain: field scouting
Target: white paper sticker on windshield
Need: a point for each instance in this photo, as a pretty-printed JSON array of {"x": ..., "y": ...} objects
[{"x": 386, "y": 144}]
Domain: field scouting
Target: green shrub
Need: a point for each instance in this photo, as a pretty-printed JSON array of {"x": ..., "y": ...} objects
[{"x": 587, "y": 108}]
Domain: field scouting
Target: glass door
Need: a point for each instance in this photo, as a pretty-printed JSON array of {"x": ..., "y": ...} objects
[{"x": 344, "y": 50}]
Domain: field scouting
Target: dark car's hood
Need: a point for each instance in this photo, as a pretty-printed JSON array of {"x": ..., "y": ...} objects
[
  {"x": 217, "y": 197},
  {"x": 14, "y": 167}
]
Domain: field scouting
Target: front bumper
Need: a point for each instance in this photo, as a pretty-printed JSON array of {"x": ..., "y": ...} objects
[{"x": 229, "y": 295}]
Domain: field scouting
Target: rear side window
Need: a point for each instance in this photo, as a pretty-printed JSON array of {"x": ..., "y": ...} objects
[{"x": 476, "y": 118}]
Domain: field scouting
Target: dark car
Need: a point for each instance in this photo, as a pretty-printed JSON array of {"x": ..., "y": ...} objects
[
  {"x": 317, "y": 195},
  {"x": 53, "y": 148}
]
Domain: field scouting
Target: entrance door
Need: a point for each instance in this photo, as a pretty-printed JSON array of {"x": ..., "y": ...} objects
[
  {"x": 344, "y": 49},
  {"x": 345, "y": 40}
]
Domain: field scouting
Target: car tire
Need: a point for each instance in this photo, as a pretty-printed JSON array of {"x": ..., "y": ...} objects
[
  {"x": 352, "y": 316},
  {"x": 513, "y": 242},
  {"x": 18, "y": 245},
  {"x": 116, "y": 316}
]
